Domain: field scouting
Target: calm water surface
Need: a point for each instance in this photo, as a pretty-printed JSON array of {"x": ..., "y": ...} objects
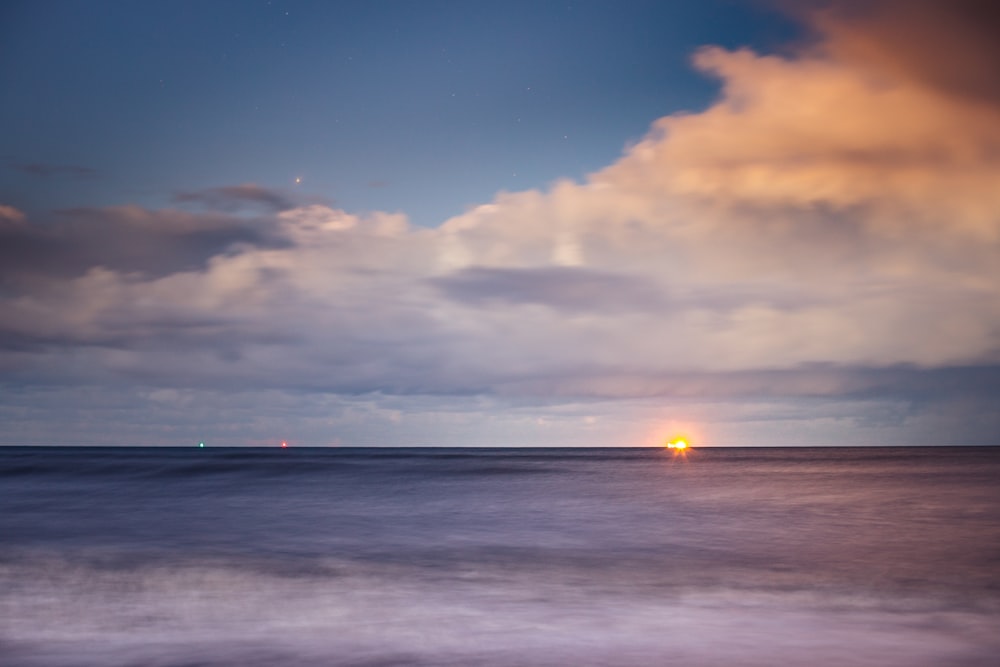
[{"x": 613, "y": 557}]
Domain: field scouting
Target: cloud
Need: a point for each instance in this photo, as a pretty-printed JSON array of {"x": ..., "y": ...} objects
[
  {"x": 561, "y": 288},
  {"x": 126, "y": 239},
  {"x": 236, "y": 197},
  {"x": 10, "y": 217},
  {"x": 827, "y": 230},
  {"x": 948, "y": 46}
]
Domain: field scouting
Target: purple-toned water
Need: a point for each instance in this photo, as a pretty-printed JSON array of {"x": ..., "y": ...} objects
[{"x": 829, "y": 557}]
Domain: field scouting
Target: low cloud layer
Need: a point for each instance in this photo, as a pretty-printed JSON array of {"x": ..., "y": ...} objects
[
  {"x": 828, "y": 229},
  {"x": 238, "y": 197},
  {"x": 126, "y": 240}
]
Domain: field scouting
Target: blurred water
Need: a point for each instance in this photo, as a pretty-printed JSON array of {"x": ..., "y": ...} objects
[{"x": 618, "y": 557}]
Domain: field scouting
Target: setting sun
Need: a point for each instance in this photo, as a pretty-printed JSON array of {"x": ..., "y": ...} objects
[{"x": 677, "y": 444}]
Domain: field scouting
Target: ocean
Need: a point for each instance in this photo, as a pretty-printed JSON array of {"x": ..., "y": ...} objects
[{"x": 187, "y": 557}]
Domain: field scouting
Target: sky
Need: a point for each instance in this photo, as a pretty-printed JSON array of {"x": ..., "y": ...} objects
[{"x": 500, "y": 224}]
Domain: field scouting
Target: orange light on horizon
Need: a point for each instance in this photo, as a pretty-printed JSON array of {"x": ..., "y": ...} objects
[
  {"x": 667, "y": 432},
  {"x": 284, "y": 444},
  {"x": 679, "y": 444}
]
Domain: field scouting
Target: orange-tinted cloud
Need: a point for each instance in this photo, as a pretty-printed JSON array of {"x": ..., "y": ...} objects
[{"x": 950, "y": 46}]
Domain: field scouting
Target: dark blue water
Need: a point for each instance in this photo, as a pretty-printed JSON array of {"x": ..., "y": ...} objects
[{"x": 377, "y": 557}]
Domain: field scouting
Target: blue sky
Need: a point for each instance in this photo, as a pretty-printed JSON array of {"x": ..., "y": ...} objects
[
  {"x": 425, "y": 108},
  {"x": 518, "y": 223}
]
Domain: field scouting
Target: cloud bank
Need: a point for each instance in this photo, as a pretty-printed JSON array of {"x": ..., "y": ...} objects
[{"x": 828, "y": 229}]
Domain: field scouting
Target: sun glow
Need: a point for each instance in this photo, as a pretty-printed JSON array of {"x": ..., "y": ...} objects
[{"x": 678, "y": 444}]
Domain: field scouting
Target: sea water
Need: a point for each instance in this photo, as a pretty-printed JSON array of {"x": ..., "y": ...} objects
[{"x": 207, "y": 557}]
